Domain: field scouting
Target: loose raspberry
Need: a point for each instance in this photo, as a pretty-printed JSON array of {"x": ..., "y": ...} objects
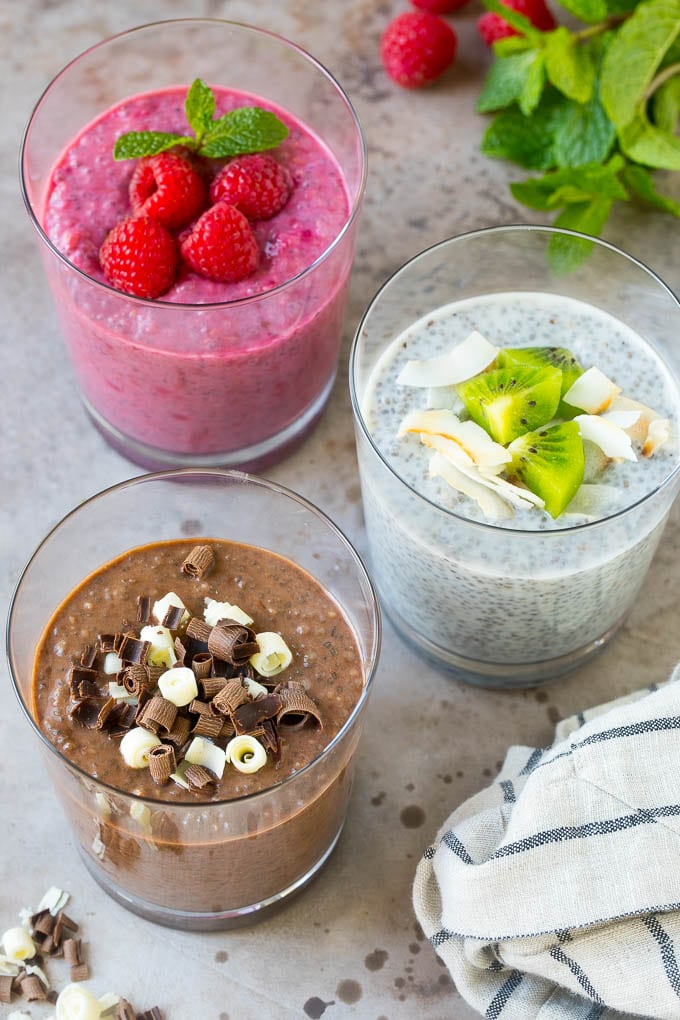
[
  {"x": 416, "y": 48},
  {"x": 256, "y": 184},
  {"x": 492, "y": 27},
  {"x": 221, "y": 245},
  {"x": 139, "y": 256},
  {"x": 439, "y": 6},
  {"x": 169, "y": 189}
]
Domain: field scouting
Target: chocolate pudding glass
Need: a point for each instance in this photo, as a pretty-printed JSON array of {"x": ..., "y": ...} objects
[
  {"x": 231, "y": 375},
  {"x": 187, "y": 861}
]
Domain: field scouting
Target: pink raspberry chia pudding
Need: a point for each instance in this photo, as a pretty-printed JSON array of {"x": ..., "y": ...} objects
[{"x": 232, "y": 373}]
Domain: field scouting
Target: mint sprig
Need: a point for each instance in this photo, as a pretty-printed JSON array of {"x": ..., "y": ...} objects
[
  {"x": 246, "y": 129},
  {"x": 595, "y": 109}
]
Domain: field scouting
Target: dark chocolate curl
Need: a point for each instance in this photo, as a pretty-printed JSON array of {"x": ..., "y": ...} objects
[
  {"x": 107, "y": 642},
  {"x": 198, "y": 630},
  {"x": 135, "y": 677},
  {"x": 180, "y": 652},
  {"x": 179, "y": 734},
  {"x": 173, "y": 617},
  {"x": 248, "y": 717},
  {"x": 133, "y": 650},
  {"x": 143, "y": 609},
  {"x": 88, "y": 656},
  {"x": 82, "y": 682},
  {"x": 297, "y": 707},
  {"x": 198, "y": 562},
  {"x": 162, "y": 763},
  {"x": 86, "y": 712}
]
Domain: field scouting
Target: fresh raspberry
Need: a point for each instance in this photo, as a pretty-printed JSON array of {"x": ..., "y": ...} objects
[
  {"x": 492, "y": 27},
  {"x": 416, "y": 48},
  {"x": 169, "y": 189},
  {"x": 440, "y": 6},
  {"x": 256, "y": 184},
  {"x": 139, "y": 256},
  {"x": 221, "y": 245}
]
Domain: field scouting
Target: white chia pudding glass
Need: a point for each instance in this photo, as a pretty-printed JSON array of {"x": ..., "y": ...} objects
[{"x": 524, "y": 601}]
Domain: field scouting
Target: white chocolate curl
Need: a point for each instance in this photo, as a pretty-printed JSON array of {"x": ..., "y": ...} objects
[
  {"x": 112, "y": 663},
  {"x": 135, "y": 747},
  {"x": 246, "y": 753},
  {"x": 18, "y": 944},
  {"x": 161, "y": 607},
  {"x": 179, "y": 686},
  {"x": 216, "y": 611},
  {"x": 76, "y": 1003},
  {"x": 202, "y": 751},
  {"x": 274, "y": 655},
  {"x": 162, "y": 651}
]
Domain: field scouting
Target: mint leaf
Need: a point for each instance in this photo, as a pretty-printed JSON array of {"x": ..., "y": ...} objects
[
  {"x": 525, "y": 140},
  {"x": 135, "y": 144},
  {"x": 533, "y": 86},
  {"x": 641, "y": 184},
  {"x": 583, "y": 134},
  {"x": 572, "y": 185},
  {"x": 621, "y": 6},
  {"x": 248, "y": 129},
  {"x": 506, "y": 81},
  {"x": 591, "y": 11},
  {"x": 633, "y": 57},
  {"x": 515, "y": 20},
  {"x": 565, "y": 253},
  {"x": 666, "y": 105},
  {"x": 570, "y": 66},
  {"x": 512, "y": 44},
  {"x": 199, "y": 107},
  {"x": 644, "y": 143}
]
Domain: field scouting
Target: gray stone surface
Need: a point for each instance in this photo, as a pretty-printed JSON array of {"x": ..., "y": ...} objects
[{"x": 351, "y": 940}]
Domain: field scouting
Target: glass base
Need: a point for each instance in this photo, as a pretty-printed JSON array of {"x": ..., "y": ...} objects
[
  {"x": 498, "y": 675},
  {"x": 252, "y": 458},
  {"x": 223, "y": 920}
]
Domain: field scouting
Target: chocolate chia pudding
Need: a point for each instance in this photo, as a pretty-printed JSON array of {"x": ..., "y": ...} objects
[{"x": 201, "y": 842}]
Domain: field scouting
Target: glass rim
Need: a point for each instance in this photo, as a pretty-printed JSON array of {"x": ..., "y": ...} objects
[
  {"x": 234, "y": 302},
  {"x": 272, "y": 487},
  {"x": 488, "y": 526}
]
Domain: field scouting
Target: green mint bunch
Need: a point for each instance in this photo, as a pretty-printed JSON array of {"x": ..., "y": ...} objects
[
  {"x": 595, "y": 109},
  {"x": 247, "y": 129}
]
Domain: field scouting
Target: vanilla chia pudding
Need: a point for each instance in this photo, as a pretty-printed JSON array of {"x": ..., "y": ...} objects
[{"x": 530, "y": 589}]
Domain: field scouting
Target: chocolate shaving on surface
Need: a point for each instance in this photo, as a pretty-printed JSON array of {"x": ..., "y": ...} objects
[
  {"x": 198, "y": 562},
  {"x": 122, "y": 717},
  {"x": 162, "y": 763},
  {"x": 227, "y": 728},
  {"x": 143, "y": 609},
  {"x": 270, "y": 739},
  {"x": 158, "y": 714},
  {"x": 32, "y": 988},
  {"x": 42, "y": 923},
  {"x": 72, "y": 951},
  {"x": 230, "y": 697},
  {"x": 179, "y": 734},
  {"x": 88, "y": 656},
  {"x": 6, "y": 987},
  {"x": 107, "y": 642},
  {"x": 297, "y": 707},
  {"x": 173, "y": 617},
  {"x": 198, "y": 777},
  {"x": 249, "y": 716},
  {"x": 104, "y": 713},
  {"x": 80, "y": 972},
  {"x": 202, "y": 665},
  {"x": 134, "y": 650},
  {"x": 198, "y": 630},
  {"x": 180, "y": 651},
  {"x": 208, "y": 726},
  {"x": 82, "y": 682},
  {"x": 199, "y": 707},
  {"x": 232, "y": 642},
  {"x": 135, "y": 677},
  {"x": 209, "y": 686},
  {"x": 86, "y": 712}
]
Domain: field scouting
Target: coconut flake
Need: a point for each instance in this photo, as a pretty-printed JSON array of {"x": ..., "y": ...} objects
[
  {"x": 54, "y": 900},
  {"x": 491, "y": 504},
  {"x": 622, "y": 419},
  {"x": 659, "y": 432},
  {"x": 595, "y": 500},
  {"x": 592, "y": 392},
  {"x": 639, "y": 430},
  {"x": 523, "y": 499},
  {"x": 467, "y": 359},
  {"x": 445, "y": 398},
  {"x": 474, "y": 441},
  {"x": 611, "y": 439}
]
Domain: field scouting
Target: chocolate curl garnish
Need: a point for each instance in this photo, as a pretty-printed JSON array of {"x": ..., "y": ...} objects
[
  {"x": 104, "y": 713},
  {"x": 86, "y": 712},
  {"x": 270, "y": 739},
  {"x": 209, "y": 686},
  {"x": 133, "y": 650},
  {"x": 32, "y": 989},
  {"x": 136, "y": 678},
  {"x": 107, "y": 642},
  {"x": 42, "y": 924},
  {"x": 173, "y": 617},
  {"x": 230, "y": 697},
  {"x": 198, "y": 777},
  {"x": 158, "y": 715},
  {"x": 150, "y": 1014},
  {"x": 202, "y": 665},
  {"x": 250, "y": 716},
  {"x": 83, "y": 682},
  {"x": 231, "y": 642},
  {"x": 179, "y": 734},
  {"x": 180, "y": 651},
  {"x": 80, "y": 972},
  {"x": 208, "y": 726},
  {"x": 72, "y": 951},
  {"x": 297, "y": 707},
  {"x": 124, "y": 1011},
  {"x": 198, "y": 630},
  {"x": 143, "y": 609},
  {"x": 162, "y": 763},
  {"x": 6, "y": 987},
  {"x": 227, "y": 728},
  {"x": 88, "y": 656},
  {"x": 198, "y": 562}
]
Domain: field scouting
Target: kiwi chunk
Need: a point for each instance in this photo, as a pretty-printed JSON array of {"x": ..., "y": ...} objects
[
  {"x": 508, "y": 402},
  {"x": 551, "y": 463},
  {"x": 552, "y": 357}
]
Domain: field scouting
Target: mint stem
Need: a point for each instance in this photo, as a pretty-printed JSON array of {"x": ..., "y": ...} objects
[
  {"x": 602, "y": 26},
  {"x": 662, "y": 76}
]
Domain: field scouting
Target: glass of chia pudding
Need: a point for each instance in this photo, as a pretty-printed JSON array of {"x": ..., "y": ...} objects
[
  {"x": 217, "y": 359},
  {"x": 195, "y": 651},
  {"x": 509, "y": 530}
]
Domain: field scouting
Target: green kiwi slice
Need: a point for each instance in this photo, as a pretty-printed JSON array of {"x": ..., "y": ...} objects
[
  {"x": 508, "y": 402},
  {"x": 553, "y": 357},
  {"x": 551, "y": 463}
]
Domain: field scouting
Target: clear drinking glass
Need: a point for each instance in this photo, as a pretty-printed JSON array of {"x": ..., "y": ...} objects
[
  {"x": 493, "y": 605},
  {"x": 245, "y": 856},
  {"x": 234, "y": 384}
]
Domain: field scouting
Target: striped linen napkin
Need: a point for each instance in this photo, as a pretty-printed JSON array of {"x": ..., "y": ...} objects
[{"x": 555, "y": 892}]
